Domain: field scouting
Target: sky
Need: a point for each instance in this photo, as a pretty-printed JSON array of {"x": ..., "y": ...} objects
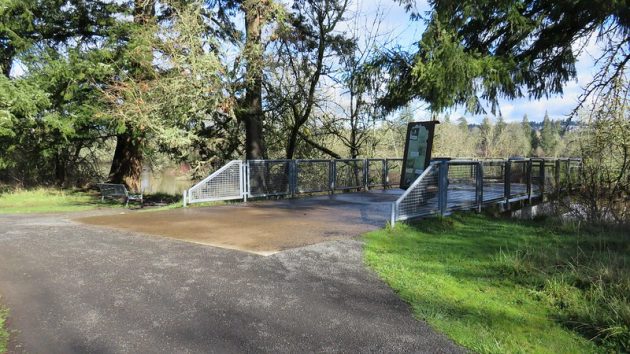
[{"x": 397, "y": 21}]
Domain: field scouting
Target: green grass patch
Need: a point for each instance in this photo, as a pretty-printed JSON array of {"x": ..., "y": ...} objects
[
  {"x": 501, "y": 285},
  {"x": 4, "y": 333},
  {"x": 46, "y": 200}
]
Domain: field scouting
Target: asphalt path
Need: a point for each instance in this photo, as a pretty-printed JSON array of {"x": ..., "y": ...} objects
[{"x": 75, "y": 288}]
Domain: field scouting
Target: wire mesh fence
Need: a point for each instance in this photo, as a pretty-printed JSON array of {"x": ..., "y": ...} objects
[
  {"x": 468, "y": 184},
  {"x": 549, "y": 176},
  {"x": 375, "y": 173},
  {"x": 393, "y": 172},
  {"x": 312, "y": 176},
  {"x": 493, "y": 180},
  {"x": 444, "y": 186},
  {"x": 517, "y": 179},
  {"x": 420, "y": 199},
  {"x": 464, "y": 190},
  {"x": 269, "y": 177},
  {"x": 348, "y": 174},
  {"x": 225, "y": 183}
]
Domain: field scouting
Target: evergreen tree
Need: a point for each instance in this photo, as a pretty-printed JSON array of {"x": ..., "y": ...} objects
[
  {"x": 485, "y": 131},
  {"x": 473, "y": 50},
  {"x": 529, "y": 133},
  {"x": 499, "y": 128},
  {"x": 549, "y": 136}
]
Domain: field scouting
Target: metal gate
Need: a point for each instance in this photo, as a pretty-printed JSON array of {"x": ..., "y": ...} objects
[{"x": 226, "y": 183}]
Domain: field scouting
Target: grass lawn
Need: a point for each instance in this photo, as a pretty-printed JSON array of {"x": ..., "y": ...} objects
[
  {"x": 4, "y": 334},
  {"x": 500, "y": 285},
  {"x": 45, "y": 200}
]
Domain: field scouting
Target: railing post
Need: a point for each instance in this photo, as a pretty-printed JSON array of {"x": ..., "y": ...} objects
[
  {"x": 479, "y": 186},
  {"x": 557, "y": 178},
  {"x": 386, "y": 174},
  {"x": 507, "y": 179},
  {"x": 366, "y": 178},
  {"x": 529, "y": 181},
  {"x": 184, "y": 198},
  {"x": 292, "y": 177},
  {"x": 332, "y": 176},
  {"x": 443, "y": 187},
  {"x": 392, "y": 220},
  {"x": 245, "y": 176},
  {"x": 542, "y": 180}
]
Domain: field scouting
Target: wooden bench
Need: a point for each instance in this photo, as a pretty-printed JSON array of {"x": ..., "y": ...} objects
[{"x": 112, "y": 190}]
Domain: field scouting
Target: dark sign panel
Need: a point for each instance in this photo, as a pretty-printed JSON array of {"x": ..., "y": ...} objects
[{"x": 418, "y": 147}]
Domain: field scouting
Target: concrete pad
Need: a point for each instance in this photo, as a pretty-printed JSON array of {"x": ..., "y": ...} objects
[{"x": 263, "y": 227}]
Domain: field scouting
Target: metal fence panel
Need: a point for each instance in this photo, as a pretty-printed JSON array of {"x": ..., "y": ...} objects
[
  {"x": 463, "y": 188},
  {"x": 564, "y": 167},
  {"x": 312, "y": 176},
  {"x": 537, "y": 177},
  {"x": 493, "y": 181},
  {"x": 394, "y": 172},
  {"x": 376, "y": 173},
  {"x": 269, "y": 177},
  {"x": 550, "y": 176},
  {"x": 574, "y": 173},
  {"x": 420, "y": 199},
  {"x": 518, "y": 179},
  {"x": 224, "y": 184},
  {"x": 348, "y": 174}
]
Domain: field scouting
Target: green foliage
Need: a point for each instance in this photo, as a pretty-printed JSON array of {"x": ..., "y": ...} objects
[
  {"x": 603, "y": 141},
  {"x": 483, "y": 50},
  {"x": 20, "y": 104},
  {"x": 51, "y": 112},
  {"x": 549, "y": 137},
  {"x": 4, "y": 333},
  {"x": 176, "y": 105},
  {"x": 498, "y": 286}
]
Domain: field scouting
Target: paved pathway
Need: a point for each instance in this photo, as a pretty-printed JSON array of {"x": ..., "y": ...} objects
[{"x": 75, "y": 288}]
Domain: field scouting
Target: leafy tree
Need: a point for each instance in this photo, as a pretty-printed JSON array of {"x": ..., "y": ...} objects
[
  {"x": 306, "y": 42},
  {"x": 603, "y": 142},
  {"x": 474, "y": 51}
]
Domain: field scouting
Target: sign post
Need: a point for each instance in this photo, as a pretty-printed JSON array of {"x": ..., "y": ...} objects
[{"x": 418, "y": 146}]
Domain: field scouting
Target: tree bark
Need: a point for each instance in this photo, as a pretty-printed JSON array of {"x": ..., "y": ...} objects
[
  {"x": 127, "y": 164},
  {"x": 60, "y": 170},
  {"x": 253, "y": 112}
]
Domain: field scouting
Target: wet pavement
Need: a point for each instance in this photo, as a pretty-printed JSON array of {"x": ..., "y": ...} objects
[
  {"x": 263, "y": 227},
  {"x": 78, "y": 288}
]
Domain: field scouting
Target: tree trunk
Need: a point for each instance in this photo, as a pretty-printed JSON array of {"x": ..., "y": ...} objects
[
  {"x": 60, "y": 170},
  {"x": 127, "y": 164},
  {"x": 292, "y": 144},
  {"x": 253, "y": 112}
]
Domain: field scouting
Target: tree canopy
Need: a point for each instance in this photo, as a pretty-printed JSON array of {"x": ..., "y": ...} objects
[{"x": 479, "y": 51}]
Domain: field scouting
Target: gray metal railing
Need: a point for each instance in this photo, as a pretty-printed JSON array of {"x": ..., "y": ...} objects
[
  {"x": 446, "y": 186},
  {"x": 268, "y": 178}
]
